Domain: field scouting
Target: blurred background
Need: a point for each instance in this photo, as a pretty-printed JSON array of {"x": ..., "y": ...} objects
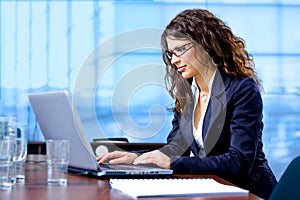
[{"x": 46, "y": 44}]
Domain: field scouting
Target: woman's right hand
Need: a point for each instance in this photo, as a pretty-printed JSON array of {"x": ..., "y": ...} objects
[{"x": 117, "y": 157}]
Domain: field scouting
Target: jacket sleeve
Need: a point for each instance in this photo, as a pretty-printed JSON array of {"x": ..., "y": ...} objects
[{"x": 243, "y": 126}]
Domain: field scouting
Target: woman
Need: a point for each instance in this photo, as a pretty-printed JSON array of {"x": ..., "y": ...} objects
[{"x": 217, "y": 125}]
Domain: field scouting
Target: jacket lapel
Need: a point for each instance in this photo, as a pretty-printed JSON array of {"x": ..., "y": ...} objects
[{"x": 214, "y": 121}]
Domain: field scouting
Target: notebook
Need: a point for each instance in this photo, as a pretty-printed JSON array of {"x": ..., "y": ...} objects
[
  {"x": 58, "y": 119},
  {"x": 174, "y": 187}
]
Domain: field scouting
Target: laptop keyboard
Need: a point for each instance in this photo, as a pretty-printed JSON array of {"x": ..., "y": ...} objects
[{"x": 123, "y": 167}]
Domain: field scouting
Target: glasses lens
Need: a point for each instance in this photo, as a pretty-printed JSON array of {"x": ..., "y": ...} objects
[
  {"x": 183, "y": 49},
  {"x": 179, "y": 50},
  {"x": 169, "y": 54}
]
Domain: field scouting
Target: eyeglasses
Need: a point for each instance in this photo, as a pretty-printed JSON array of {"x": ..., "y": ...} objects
[{"x": 179, "y": 51}]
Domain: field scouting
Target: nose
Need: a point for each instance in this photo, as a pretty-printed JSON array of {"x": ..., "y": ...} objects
[{"x": 174, "y": 59}]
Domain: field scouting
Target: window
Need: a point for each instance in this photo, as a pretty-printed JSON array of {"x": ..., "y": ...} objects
[{"x": 46, "y": 44}]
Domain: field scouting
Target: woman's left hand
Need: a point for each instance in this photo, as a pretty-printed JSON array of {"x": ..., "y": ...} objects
[{"x": 154, "y": 157}]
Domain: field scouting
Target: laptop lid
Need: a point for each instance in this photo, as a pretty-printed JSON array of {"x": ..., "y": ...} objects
[{"x": 58, "y": 119}]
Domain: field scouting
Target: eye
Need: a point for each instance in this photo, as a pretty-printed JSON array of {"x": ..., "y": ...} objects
[{"x": 180, "y": 49}]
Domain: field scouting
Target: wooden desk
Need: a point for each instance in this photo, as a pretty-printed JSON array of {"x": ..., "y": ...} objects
[{"x": 79, "y": 187}]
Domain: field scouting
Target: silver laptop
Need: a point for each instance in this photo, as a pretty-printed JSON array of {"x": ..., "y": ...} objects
[{"x": 58, "y": 119}]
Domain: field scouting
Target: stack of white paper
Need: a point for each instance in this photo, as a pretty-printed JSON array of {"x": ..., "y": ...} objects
[{"x": 173, "y": 187}]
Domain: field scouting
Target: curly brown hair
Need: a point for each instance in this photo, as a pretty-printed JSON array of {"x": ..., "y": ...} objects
[{"x": 227, "y": 51}]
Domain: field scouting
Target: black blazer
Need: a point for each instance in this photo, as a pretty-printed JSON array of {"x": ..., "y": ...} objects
[{"x": 232, "y": 134}]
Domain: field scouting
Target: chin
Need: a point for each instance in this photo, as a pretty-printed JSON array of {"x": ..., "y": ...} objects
[{"x": 186, "y": 76}]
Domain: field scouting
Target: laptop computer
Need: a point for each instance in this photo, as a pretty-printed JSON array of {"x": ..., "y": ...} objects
[{"x": 58, "y": 119}]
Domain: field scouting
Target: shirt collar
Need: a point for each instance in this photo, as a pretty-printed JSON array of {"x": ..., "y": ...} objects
[{"x": 195, "y": 88}]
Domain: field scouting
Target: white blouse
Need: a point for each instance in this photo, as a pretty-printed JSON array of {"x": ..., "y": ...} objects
[{"x": 197, "y": 132}]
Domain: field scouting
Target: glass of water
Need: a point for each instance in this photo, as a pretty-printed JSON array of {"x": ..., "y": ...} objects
[
  {"x": 6, "y": 164},
  {"x": 58, "y": 154},
  {"x": 21, "y": 152}
]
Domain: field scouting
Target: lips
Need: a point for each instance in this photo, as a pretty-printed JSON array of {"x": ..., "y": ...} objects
[{"x": 181, "y": 68}]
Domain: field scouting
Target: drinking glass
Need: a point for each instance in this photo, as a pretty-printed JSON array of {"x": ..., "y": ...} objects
[
  {"x": 58, "y": 154},
  {"x": 21, "y": 152},
  {"x": 6, "y": 164},
  {"x": 16, "y": 133},
  {"x": 8, "y": 133}
]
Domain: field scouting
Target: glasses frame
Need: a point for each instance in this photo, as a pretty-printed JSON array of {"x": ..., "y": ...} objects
[{"x": 170, "y": 53}]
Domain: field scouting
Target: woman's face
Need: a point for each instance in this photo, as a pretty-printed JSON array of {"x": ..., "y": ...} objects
[{"x": 182, "y": 54}]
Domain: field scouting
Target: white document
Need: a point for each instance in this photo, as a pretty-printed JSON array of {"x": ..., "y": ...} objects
[{"x": 173, "y": 187}]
